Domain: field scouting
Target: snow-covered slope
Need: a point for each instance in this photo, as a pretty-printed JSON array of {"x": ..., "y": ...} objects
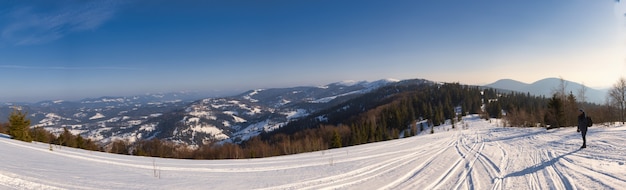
[{"x": 482, "y": 156}]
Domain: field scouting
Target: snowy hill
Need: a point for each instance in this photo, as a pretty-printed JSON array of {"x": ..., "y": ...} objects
[{"x": 482, "y": 156}]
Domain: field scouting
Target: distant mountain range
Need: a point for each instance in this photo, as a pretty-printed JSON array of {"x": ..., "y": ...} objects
[
  {"x": 194, "y": 119},
  {"x": 546, "y": 87},
  {"x": 237, "y": 118},
  {"x": 186, "y": 118}
]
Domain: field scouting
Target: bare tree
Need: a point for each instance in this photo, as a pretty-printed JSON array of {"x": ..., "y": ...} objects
[
  {"x": 618, "y": 94},
  {"x": 560, "y": 90},
  {"x": 582, "y": 93}
]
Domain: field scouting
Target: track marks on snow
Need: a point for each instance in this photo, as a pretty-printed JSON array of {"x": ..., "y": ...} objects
[
  {"x": 376, "y": 170},
  {"x": 466, "y": 170},
  {"x": 482, "y": 157},
  {"x": 411, "y": 177}
]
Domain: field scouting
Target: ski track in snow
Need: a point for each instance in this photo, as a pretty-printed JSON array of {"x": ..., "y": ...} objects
[{"x": 485, "y": 156}]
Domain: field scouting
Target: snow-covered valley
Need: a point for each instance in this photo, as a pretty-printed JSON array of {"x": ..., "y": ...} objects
[
  {"x": 185, "y": 118},
  {"x": 477, "y": 155}
]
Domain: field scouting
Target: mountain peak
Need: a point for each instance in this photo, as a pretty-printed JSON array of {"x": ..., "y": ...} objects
[{"x": 508, "y": 84}]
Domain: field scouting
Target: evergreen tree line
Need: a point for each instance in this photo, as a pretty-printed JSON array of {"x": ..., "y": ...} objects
[
  {"x": 19, "y": 128},
  {"x": 434, "y": 104},
  {"x": 378, "y": 116},
  {"x": 308, "y": 140},
  {"x": 384, "y": 115},
  {"x": 66, "y": 138}
]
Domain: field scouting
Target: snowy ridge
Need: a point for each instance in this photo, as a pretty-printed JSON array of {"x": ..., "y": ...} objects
[
  {"x": 331, "y": 98},
  {"x": 364, "y": 83},
  {"x": 248, "y": 97},
  {"x": 220, "y": 118},
  {"x": 107, "y": 118},
  {"x": 482, "y": 156},
  {"x": 367, "y": 87},
  {"x": 238, "y": 118}
]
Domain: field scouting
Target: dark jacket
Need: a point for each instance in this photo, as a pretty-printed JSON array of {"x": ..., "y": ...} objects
[{"x": 582, "y": 122}]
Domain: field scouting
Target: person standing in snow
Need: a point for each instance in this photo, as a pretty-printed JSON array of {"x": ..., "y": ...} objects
[{"x": 582, "y": 127}]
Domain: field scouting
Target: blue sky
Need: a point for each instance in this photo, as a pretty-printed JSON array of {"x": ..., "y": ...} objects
[{"x": 77, "y": 49}]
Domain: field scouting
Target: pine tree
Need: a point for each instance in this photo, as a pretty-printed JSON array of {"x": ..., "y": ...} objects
[
  {"x": 336, "y": 143},
  {"x": 68, "y": 138},
  {"x": 80, "y": 142},
  {"x": 41, "y": 135},
  {"x": 556, "y": 112},
  {"x": 19, "y": 126}
]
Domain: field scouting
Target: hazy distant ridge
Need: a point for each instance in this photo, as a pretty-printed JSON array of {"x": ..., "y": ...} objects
[{"x": 546, "y": 87}]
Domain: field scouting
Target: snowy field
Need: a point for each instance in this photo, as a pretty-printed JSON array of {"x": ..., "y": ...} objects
[{"x": 484, "y": 156}]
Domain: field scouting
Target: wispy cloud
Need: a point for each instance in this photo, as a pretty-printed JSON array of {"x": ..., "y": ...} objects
[
  {"x": 66, "y": 68},
  {"x": 29, "y": 25}
]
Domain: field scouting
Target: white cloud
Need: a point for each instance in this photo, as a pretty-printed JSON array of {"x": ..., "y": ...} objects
[{"x": 27, "y": 26}]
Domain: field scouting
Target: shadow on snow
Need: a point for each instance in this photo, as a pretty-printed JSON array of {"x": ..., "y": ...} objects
[
  {"x": 507, "y": 138},
  {"x": 539, "y": 167}
]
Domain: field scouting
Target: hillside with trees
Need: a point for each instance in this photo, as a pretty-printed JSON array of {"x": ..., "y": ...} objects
[{"x": 403, "y": 109}]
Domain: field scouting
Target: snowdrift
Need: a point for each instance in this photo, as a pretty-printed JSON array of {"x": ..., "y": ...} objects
[{"x": 482, "y": 156}]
